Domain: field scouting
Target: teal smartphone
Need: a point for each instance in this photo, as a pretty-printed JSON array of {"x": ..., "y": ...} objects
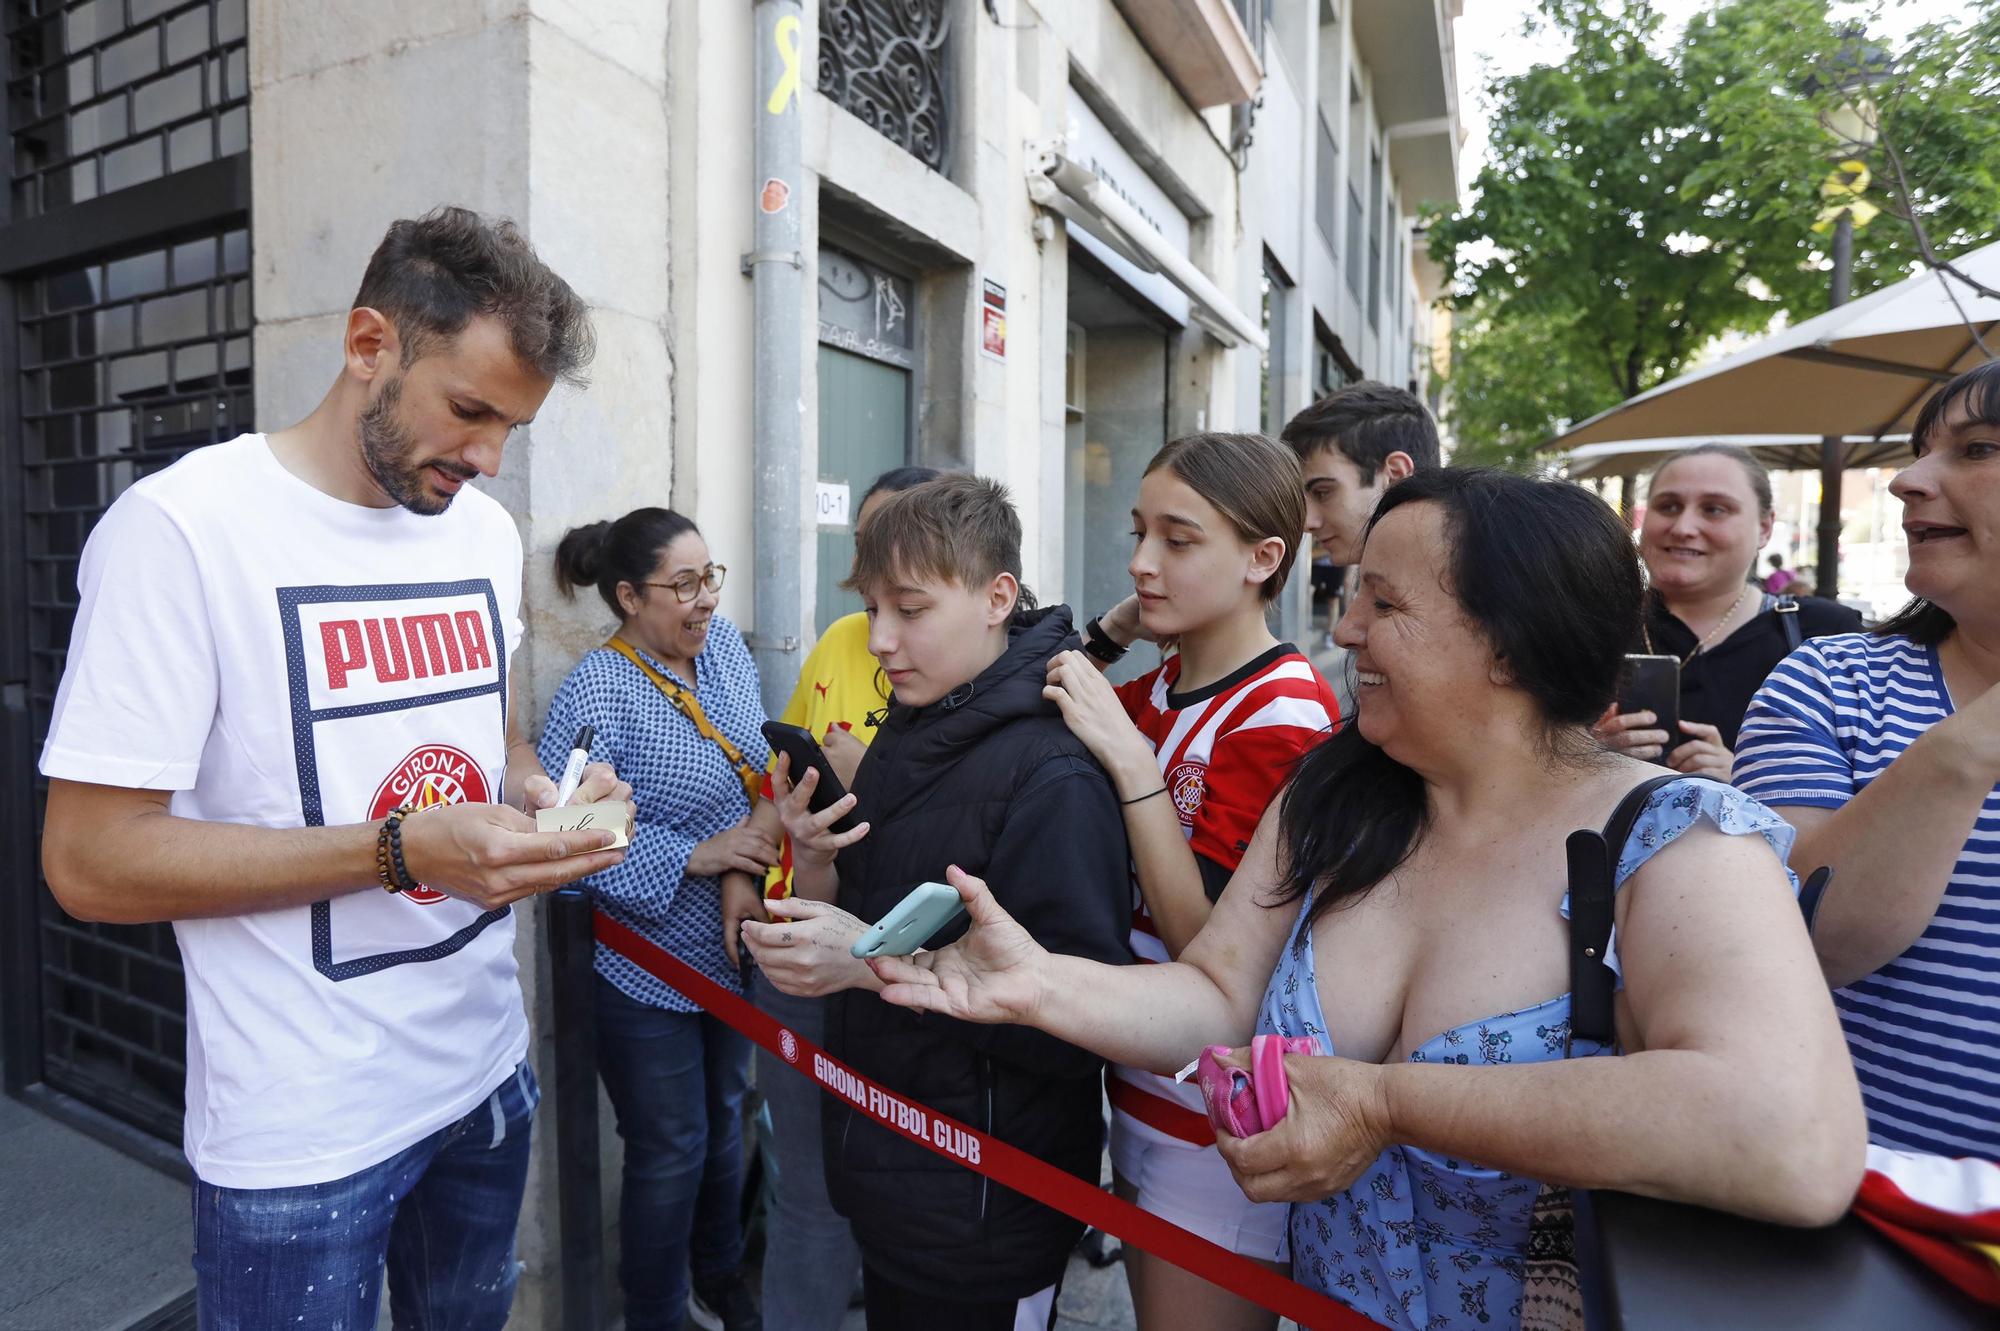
[{"x": 911, "y": 922}]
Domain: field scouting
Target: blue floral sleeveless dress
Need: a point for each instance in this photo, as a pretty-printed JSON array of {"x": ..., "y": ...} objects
[{"x": 1429, "y": 1243}]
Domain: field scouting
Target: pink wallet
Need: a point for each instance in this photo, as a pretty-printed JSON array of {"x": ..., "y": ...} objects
[{"x": 1244, "y": 1104}]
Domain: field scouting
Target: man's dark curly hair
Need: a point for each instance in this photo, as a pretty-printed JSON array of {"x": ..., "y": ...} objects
[{"x": 432, "y": 274}]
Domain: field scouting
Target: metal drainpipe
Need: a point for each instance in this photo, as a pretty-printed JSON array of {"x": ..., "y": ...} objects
[{"x": 777, "y": 415}]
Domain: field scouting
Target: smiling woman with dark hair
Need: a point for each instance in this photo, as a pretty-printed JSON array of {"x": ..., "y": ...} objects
[
  {"x": 1708, "y": 512},
  {"x": 1403, "y": 904},
  {"x": 674, "y": 694},
  {"x": 1883, "y": 749}
]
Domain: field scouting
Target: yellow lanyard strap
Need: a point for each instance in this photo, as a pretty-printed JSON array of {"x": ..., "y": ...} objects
[{"x": 753, "y": 780}]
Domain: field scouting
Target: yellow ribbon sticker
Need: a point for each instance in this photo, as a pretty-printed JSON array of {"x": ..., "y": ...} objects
[
  {"x": 786, "y": 35},
  {"x": 1842, "y": 191}
]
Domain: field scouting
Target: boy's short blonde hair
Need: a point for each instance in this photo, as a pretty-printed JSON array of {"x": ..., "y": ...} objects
[{"x": 958, "y": 528}]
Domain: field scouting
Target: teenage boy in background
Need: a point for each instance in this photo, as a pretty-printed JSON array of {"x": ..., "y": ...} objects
[
  {"x": 1353, "y": 445},
  {"x": 971, "y": 767}
]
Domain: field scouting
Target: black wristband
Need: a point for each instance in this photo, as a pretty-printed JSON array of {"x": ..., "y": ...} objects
[
  {"x": 1099, "y": 644},
  {"x": 390, "y": 870},
  {"x": 1140, "y": 799}
]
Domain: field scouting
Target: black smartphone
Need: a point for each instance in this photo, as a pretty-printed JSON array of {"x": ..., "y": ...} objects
[
  {"x": 804, "y": 751},
  {"x": 1653, "y": 684}
]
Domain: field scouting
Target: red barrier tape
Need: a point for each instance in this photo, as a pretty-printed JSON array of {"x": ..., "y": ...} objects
[{"x": 986, "y": 1154}]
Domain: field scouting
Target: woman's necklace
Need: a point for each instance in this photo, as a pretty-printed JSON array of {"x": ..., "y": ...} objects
[{"x": 1720, "y": 624}]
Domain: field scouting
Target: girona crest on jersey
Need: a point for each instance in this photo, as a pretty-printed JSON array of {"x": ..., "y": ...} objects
[{"x": 1188, "y": 784}]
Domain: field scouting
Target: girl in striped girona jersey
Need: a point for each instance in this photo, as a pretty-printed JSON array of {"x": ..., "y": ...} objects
[{"x": 1197, "y": 748}]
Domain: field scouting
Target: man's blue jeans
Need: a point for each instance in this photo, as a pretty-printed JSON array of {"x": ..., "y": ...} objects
[
  {"x": 676, "y": 1081},
  {"x": 441, "y": 1214}
]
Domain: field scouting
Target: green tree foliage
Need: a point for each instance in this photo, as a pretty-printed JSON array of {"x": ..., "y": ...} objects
[
  {"x": 1509, "y": 379},
  {"x": 1657, "y": 190}
]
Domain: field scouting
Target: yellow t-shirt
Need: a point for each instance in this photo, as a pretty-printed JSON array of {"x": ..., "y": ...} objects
[{"x": 840, "y": 684}]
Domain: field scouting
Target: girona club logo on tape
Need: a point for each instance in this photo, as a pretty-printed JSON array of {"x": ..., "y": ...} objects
[
  {"x": 788, "y": 1045},
  {"x": 1188, "y": 783},
  {"x": 433, "y": 774}
]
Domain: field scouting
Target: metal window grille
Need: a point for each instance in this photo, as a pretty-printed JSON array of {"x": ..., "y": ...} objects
[
  {"x": 125, "y": 319},
  {"x": 106, "y": 94},
  {"x": 888, "y": 62},
  {"x": 124, "y": 365}
]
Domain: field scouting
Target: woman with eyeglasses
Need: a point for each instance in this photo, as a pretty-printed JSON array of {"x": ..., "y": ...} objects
[{"x": 673, "y": 695}]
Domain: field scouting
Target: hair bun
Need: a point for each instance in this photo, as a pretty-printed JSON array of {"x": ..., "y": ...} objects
[{"x": 580, "y": 556}]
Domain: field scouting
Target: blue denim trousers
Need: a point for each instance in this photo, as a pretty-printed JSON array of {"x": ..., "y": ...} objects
[
  {"x": 441, "y": 1214},
  {"x": 676, "y": 1082}
]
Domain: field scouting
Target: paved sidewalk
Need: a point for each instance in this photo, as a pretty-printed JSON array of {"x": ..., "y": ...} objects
[{"x": 90, "y": 1239}]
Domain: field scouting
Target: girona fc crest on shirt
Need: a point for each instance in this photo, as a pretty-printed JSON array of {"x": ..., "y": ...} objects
[
  {"x": 432, "y": 774},
  {"x": 1188, "y": 784}
]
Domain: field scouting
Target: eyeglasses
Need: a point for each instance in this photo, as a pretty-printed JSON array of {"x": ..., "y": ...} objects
[{"x": 688, "y": 586}]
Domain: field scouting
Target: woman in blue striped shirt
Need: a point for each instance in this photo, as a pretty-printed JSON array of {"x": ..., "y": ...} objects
[{"x": 1883, "y": 750}]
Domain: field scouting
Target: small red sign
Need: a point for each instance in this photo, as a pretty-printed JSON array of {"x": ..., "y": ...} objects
[{"x": 993, "y": 321}]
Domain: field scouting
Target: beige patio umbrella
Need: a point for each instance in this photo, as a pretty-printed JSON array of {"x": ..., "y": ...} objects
[
  {"x": 1860, "y": 370},
  {"x": 1780, "y": 452}
]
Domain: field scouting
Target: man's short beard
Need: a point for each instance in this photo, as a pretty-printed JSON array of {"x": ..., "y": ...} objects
[{"x": 386, "y": 449}]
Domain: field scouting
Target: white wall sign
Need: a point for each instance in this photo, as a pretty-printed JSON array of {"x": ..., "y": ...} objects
[
  {"x": 831, "y": 504},
  {"x": 1093, "y": 147}
]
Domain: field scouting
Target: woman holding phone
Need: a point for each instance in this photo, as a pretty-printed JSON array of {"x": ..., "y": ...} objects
[
  {"x": 1708, "y": 513},
  {"x": 1196, "y": 748}
]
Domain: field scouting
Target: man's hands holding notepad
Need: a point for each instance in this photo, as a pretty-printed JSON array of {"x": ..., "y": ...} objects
[{"x": 493, "y": 855}]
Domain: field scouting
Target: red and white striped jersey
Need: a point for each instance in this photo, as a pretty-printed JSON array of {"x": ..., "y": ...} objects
[{"x": 1224, "y": 751}]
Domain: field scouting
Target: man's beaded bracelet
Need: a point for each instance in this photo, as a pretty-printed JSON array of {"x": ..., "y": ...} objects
[{"x": 390, "y": 871}]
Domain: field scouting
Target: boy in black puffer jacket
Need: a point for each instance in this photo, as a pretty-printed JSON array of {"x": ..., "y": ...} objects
[{"x": 972, "y": 767}]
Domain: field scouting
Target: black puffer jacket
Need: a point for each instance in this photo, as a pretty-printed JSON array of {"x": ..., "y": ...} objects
[{"x": 989, "y": 779}]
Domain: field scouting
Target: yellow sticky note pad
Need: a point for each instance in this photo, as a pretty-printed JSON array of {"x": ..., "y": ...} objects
[{"x": 616, "y": 816}]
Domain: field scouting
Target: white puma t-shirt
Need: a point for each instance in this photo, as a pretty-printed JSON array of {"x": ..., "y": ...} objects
[{"x": 278, "y": 657}]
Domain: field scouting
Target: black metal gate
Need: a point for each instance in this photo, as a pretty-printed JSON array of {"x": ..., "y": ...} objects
[{"x": 124, "y": 342}]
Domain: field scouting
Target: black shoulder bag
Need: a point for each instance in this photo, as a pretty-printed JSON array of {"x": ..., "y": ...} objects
[{"x": 1552, "y": 1298}]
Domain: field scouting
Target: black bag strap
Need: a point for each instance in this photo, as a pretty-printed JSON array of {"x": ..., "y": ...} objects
[
  {"x": 1813, "y": 891},
  {"x": 1788, "y": 619},
  {"x": 1593, "y": 865}
]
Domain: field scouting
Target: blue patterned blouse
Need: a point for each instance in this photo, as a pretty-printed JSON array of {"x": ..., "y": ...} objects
[
  {"x": 686, "y": 790},
  {"x": 1426, "y": 1243}
]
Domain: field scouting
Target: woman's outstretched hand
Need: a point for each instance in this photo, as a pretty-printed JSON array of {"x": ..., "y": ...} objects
[{"x": 992, "y": 974}]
